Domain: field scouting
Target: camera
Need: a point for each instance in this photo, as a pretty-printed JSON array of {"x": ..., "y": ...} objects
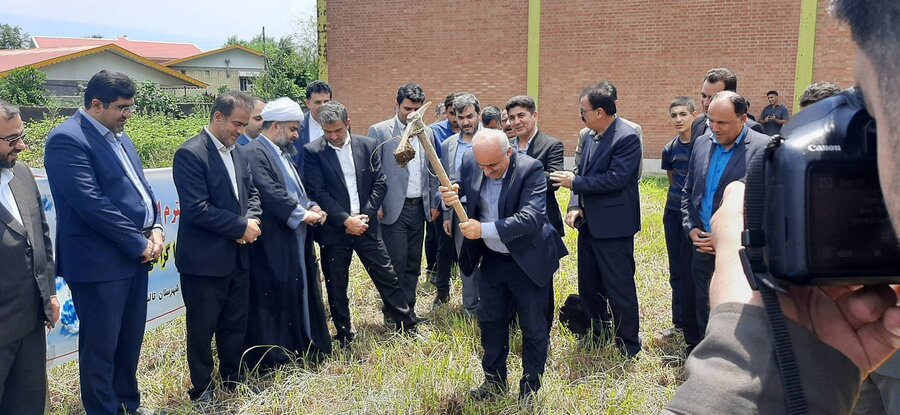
[{"x": 824, "y": 219}]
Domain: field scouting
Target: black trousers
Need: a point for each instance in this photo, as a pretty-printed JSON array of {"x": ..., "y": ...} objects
[
  {"x": 431, "y": 244},
  {"x": 505, "y": 288},
  {"x": 445, "y": 260},
  {"x": 112, "y": 316},
  {"x": 373, "y": 255},
  {"x": 606, "y": 285},
  {"x": 680, "y": 250},
  {"x": 23, "y": 374},
  {"x": 215, "y": 306},
  {"x": 702, "y": 267},
  {"x": 403, "y": 241}
]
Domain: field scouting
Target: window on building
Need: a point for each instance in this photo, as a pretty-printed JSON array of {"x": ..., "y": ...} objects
[{"x": 246, "y": 84}]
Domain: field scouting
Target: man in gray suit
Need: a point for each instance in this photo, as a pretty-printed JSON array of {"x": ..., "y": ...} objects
[
  {"x": 411, "y": 191},
  {"x": 27, "y": 291},
  {"x": 467, "y": 110}
]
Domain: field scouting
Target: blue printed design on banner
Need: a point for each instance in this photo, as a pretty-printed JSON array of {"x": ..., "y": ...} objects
[{"x": 164, "y": 301}]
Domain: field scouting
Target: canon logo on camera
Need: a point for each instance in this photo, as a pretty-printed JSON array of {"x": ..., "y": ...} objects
[{"x": 823, "y": 147}]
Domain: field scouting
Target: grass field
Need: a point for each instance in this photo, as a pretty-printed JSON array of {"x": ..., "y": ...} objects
[{"x": 388, "y": 374}]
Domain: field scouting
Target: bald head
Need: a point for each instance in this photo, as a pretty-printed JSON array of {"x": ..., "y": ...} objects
[
  {"x": 492, "y": 151},
  {"x": 727, "y": 115}
]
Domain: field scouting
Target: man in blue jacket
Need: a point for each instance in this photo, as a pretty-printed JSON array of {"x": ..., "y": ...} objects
[
  {"x": 108, "y": 230},
  {"x": 605, "y": 208}
]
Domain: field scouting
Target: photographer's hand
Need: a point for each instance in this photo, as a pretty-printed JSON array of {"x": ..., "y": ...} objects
[{"x": 863, "y": 323}]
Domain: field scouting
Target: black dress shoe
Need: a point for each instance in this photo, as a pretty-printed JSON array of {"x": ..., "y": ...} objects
[
  {"x": 440, "y": 300},
  {"x": 345, "y": 339},
  {"x": 488, "y": 390},
  {"x": 528, "y": 386},
  {"x": 208, "y": 396}
]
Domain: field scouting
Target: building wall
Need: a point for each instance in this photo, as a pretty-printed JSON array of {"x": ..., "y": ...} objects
[
  {"x": 237, "y": 59},
  {"x": 82, "y": 69},
  {"x": 835, "y": 51},
  {"x": 376, "y": 46},
  {"x": 652, "y": 50},
  {"x": 215, "y": 78}
]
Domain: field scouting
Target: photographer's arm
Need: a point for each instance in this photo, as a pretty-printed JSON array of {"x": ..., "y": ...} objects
[{"x": 840, "y": 334}]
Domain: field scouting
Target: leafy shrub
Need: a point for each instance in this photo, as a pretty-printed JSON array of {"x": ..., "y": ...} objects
[
  {"x": 156, "y": 137},
  {"x": 152, "y": 100},
  {"x": 23, "y": 86}
]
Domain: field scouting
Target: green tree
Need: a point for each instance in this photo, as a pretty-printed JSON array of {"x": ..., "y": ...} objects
[
  {"x": 291, "y": 62},
  {"x": 13, "y": 37},
  {"x": 24, "y": 86},
  {"x": 152, "y": 100}
]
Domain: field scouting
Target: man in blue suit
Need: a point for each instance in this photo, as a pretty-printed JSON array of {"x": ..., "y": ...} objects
[
  {"x": 509, "y": 235},
  {"x": 718, "y": 158},
  {"x": 605, "y": 208},
  {"x": 108, "y": 230},
  {"x": 317, "y": 94},
  {"x": 219, "y": 217}
]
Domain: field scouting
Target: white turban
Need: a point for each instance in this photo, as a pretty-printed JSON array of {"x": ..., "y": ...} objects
[{"x": 282, "y": 110}]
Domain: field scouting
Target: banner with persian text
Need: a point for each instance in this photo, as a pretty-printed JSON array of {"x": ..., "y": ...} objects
[{"x": 164, "y": 301}]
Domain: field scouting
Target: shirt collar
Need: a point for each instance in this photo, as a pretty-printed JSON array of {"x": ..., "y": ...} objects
[
  {"x": 219, "y": 145},
  {"x": 313, "y": 122},
  {"x": 344, "y": 146},
  {"x": 6, "y": 176},
  {"x": 530, "y": 140},
  {"x": 399, "y": 126}
]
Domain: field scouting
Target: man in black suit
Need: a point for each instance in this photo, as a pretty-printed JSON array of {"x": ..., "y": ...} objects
[
  {"x": 219, "y": 217},
  {"x": 346, "y": 180},
  {"x": 286, "y": 309},
  {"x": 717, "y": 80},
  {"x": 523, "y": 116},
  {"x": 605, "y": 208},
  {"x": 518, "y": 251},
  {"x": 717, "y": 159},
  {"x": 27, "y": 288}
]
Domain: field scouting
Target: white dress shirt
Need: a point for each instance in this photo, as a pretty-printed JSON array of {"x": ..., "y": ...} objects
[
  {"x": 414, "y": 167},
  {"x": 315, "y": 130},
  {"x": 225, "y": 154},
  {"x": 6, "y": 196},
  {"x": 348, "y": 167}
]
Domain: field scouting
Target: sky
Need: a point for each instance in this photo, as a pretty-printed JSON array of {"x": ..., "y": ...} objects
[{"x": 198, "y": 22}]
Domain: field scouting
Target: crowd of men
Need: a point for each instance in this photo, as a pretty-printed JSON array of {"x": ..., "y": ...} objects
[{"x": 252, "y": 212}]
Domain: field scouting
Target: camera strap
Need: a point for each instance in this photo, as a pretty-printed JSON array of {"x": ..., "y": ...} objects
[{"x": 752, "y": 260}]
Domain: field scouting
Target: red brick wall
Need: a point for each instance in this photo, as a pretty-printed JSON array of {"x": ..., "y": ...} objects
[
  {"x": 835, "y": 51},
  {"x": 652, "y": 50},
  {"x": 376, "y": 46}
]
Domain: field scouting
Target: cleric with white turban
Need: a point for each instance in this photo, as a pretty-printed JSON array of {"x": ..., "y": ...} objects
[
  {"x": 286, "y": 314},
  {"x": 282, "y": 109}
]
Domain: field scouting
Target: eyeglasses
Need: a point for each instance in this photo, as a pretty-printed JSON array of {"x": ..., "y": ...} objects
[
  {"x": 126, "y": 110},
  {"x": 12, "y": 141},
  {"x": 583, "y": 111}
]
